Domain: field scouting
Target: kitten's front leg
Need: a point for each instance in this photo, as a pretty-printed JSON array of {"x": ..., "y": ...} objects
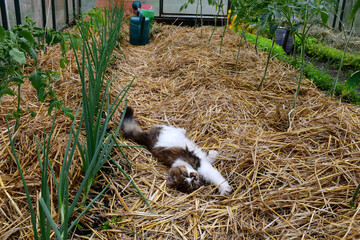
[
  {"x": 211, "y": 156},
  {"x": 213, "y": 176}
]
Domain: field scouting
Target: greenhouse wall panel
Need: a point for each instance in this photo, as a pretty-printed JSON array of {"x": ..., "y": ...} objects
[
  {"x": 31, "y": 8},
  {"x": 11, "y": 13},
  {"x": 173, "y": 7},
  {"x": 87, "y": 5},
  {"x": 60, "y": 13},
  {"x": 49, "y": 23}
]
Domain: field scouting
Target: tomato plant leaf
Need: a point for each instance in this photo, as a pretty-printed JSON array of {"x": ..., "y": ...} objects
[
  {"x": 55, "y": 76},
  {"x": 37, "y": 80},
  {"x": 351, "y": 84},
  {"x": 17, "y": 55},
  {"x": 67, "y": 112},
  {"x": 324, "y": 17},
  {"x": 28, "y": 36},
  {"x": 6, "y": 90},
  {"x": 2, "y": 34},
  {"x": 24, "y": 44},
  {"x": 16, "y": 79},
  {"x": 63, "y": 62},
  {"x": 53, "y": 103},
  {"x": 354, "y": 10},
  {"x": 41, "y": 94},
  {"x": 264, "y": 18},
  {"x": 295, "y": 28},
  {"x": 272, "y": 29}
]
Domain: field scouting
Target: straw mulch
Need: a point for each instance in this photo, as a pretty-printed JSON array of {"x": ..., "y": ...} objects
[{"x": 289, "y": 182}]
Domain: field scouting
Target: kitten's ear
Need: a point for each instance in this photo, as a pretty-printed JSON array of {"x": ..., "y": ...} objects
[{"x": 170, "y": 180}]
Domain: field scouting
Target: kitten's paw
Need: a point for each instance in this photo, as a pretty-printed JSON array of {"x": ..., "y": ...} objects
[
  {"x": 225, "y": 189},
  {"x": 183, "y": 131},
  {"x": 212, "y": 154},
  {"x": 194, "y": 176}
]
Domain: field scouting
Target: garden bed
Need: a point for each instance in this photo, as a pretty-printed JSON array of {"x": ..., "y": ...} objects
[{"x": 289, "y": 181}]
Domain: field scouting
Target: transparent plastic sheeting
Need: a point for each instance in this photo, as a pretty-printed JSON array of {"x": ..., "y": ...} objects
[
  {"x": 33, "y": 9},
  {"x": 173, "y": 7},
  {"x": 27, "y": 7}
]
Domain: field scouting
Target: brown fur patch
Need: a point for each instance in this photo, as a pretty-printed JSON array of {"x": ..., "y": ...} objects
[
  {"x": 152, "y": 136},
  {"x": 168, "y": 155},
  {"x": 134, "y": 132}
]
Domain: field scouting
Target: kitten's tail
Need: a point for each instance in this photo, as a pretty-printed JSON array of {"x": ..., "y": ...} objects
[{"x": 132, "y": 129}]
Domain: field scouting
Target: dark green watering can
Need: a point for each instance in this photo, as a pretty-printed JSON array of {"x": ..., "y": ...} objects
[{"x": 139, "y": 27}]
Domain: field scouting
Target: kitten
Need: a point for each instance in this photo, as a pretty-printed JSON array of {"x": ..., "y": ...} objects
[{"x": 190, "y": 167}]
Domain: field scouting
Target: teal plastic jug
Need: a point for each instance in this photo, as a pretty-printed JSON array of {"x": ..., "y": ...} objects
[{"x": 139, "y": 28}]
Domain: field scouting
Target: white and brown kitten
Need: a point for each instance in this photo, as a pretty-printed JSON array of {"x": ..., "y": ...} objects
[{"x": 190, "y": 167}]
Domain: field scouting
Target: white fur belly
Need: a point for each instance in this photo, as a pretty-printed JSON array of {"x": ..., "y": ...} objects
[
  {"x": 173, "y": 137},
  {"x": 176, "y": 137}
]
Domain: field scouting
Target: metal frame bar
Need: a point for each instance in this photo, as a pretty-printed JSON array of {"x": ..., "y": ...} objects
[
  {"x": 53, "y": 13},
  {"x": 342, "y": 14},
  {"x": 335, "y": 14},
  {"x": 66, "y": 11},
  {"x": 74, "y": 9},
  {"x": 4, "y": 15},
  {"x": 161, "y": 8},
  {"x": 43, "y": 12},
  {"x": 17, "y": 12}
]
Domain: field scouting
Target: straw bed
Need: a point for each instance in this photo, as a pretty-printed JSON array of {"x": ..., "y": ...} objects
[{"x": 289, "y": 182}]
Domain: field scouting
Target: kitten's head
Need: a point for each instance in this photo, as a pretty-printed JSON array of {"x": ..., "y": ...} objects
[{"x": 182, "y": 180}]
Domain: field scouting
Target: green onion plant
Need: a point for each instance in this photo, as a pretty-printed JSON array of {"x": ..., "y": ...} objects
[
  {"x": 100, "y": 35},
  {"x": 44, "y": 219}
]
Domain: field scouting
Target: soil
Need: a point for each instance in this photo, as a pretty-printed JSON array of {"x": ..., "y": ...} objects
[{"x": 331, "y": 69}]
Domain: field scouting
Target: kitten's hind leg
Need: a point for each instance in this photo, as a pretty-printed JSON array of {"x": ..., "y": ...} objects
[
  {"x": 213, "y": 176},
  {"x": 211, "y": 157}
]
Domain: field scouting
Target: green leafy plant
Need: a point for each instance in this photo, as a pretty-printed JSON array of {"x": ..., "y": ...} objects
[
  {"x": 271, "y": 17},
  {"x": 45, "y": 219},
  {"x": 186, "y": 5},
  {"x": 351, "y": 84},
  {"x": 239, "y": 14},
  {"x": 309, "y": 13},
  {"x": 352, "y": 19},
  {"x": 16, "y": 46},
  {"x": 219, "y": 5}
]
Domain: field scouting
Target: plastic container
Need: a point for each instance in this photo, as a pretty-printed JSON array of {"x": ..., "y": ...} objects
[
  {"x": 139, "y": 29},
  {"x": 135, "y": 6},
  {"x": 146, "y": 10},
  {"x": 149, "y": 14},
  {"x": 283, "y": 38}
]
